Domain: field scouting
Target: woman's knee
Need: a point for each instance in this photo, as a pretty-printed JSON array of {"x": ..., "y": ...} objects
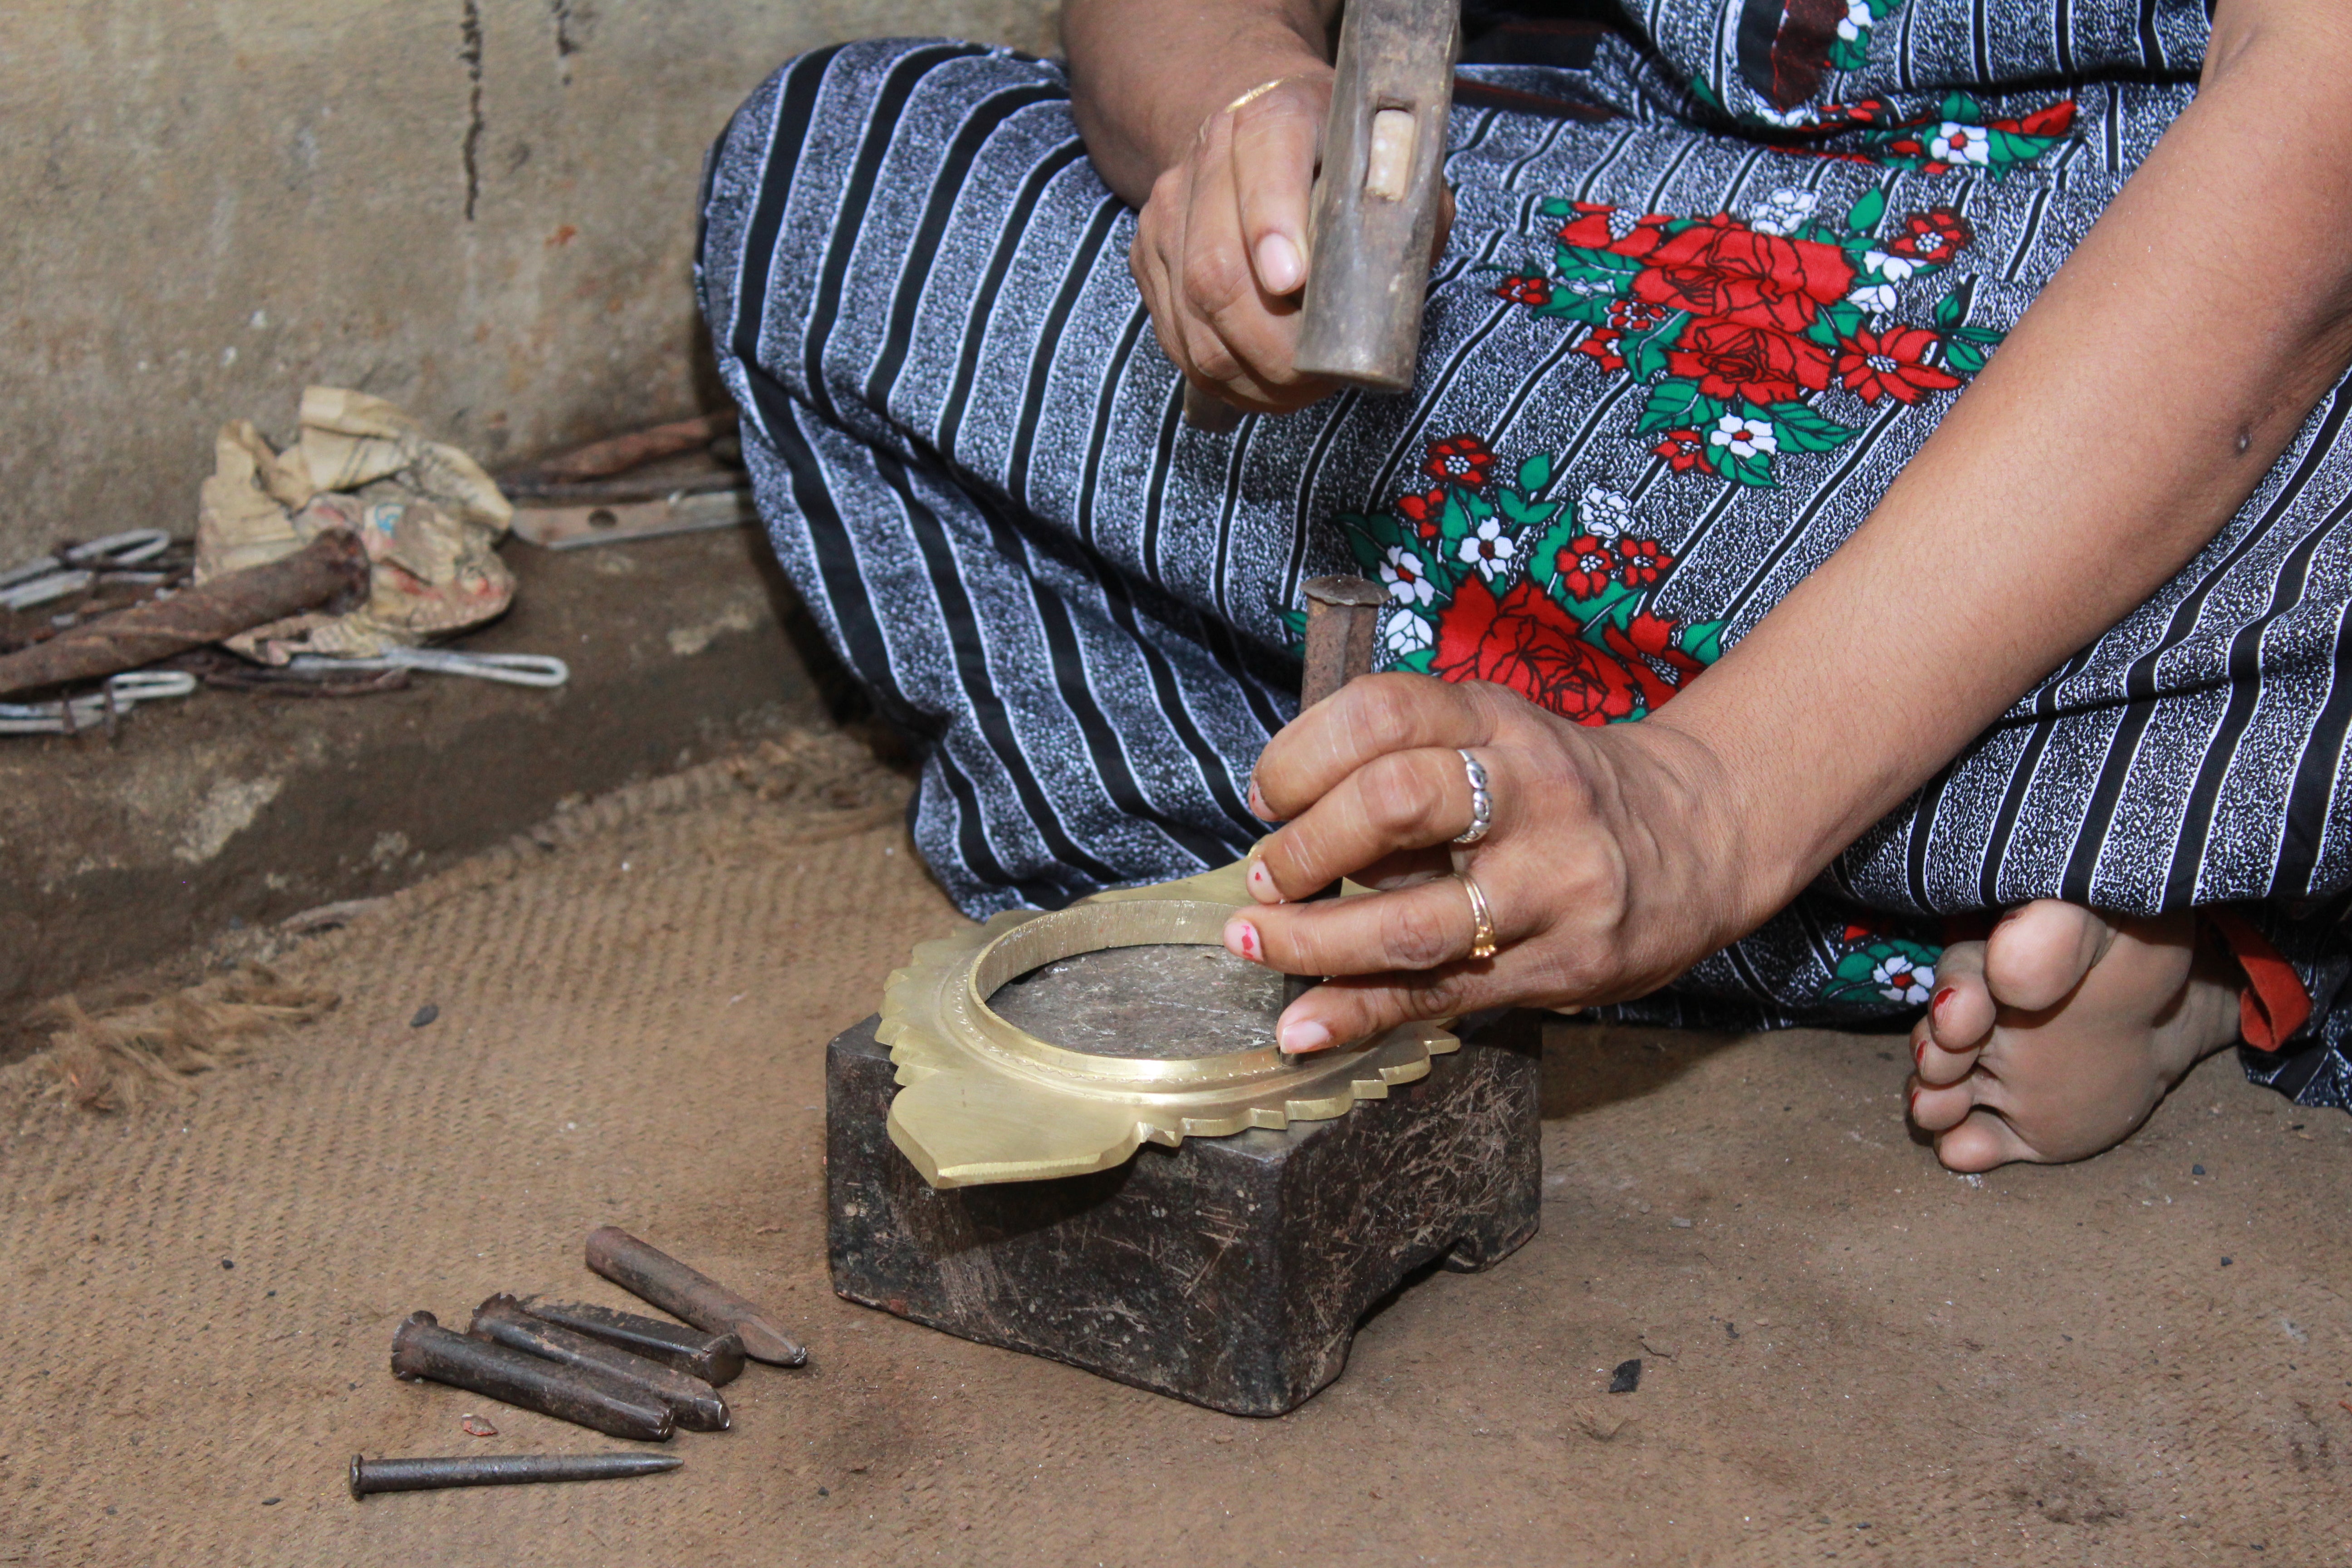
[{"x": 833, "y": 128}]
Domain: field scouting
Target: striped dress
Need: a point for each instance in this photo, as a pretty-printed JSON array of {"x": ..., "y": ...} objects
[{"x": 1716, "y": 273}]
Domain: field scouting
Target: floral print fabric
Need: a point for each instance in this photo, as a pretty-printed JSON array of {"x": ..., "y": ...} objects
[{"x": 1679, "y": 343}]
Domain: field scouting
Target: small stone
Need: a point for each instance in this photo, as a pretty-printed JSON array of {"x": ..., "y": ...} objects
[
  {"x": 1627, "y": 1377},
  {"x": 424, "y": 1015},
  {"x": 271, "y": 1501},
  {"x": 2227, "y": 1261},
  {"x": 2196, "y": 1169},
  {"x": 227, "y": 1263},
  {"x": 475, "y": 1427},
  {"x": 1679, "y": 1222},
  {"x": 823, "y": 1492}
]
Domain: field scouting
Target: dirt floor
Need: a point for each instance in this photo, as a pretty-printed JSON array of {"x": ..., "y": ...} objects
[{"x": 1847, "y": 1355}]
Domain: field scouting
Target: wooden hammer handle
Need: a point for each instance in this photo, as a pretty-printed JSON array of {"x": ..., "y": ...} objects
[{"x": 1374, "y": 217}]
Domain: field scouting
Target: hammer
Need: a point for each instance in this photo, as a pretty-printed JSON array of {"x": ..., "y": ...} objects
[{"x": 1377, "y": 192}]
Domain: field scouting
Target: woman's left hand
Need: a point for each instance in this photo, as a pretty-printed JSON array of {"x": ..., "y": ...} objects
[{"x": 1611, "y": 862}]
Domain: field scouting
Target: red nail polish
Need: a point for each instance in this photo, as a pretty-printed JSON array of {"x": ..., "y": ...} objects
[{"x": 1936, "y": 1006}]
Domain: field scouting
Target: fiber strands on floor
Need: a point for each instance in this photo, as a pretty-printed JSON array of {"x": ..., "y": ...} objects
[{"x": 1846, "y": 1353}]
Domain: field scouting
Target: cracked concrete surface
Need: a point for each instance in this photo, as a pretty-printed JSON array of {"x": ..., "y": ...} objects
[{"x": 482, "y": 209}]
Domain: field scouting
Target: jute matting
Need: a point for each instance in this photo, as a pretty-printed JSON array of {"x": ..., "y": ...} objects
[{"x": 1846, "y": 1353}]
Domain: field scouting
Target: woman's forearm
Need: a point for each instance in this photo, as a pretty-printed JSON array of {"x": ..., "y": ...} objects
[
  {"x": 2134, "y": 409},
  {"x": 1144, "y": 74}
]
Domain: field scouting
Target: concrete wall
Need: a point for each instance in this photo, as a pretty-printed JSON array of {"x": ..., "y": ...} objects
[{"x": 482, "y": 209}]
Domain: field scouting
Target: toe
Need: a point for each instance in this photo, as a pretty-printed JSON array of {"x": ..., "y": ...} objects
[
  {"x": 1959, "y": 1017},
  {"x": 2040, "y": 953},
  {"x": 1934, "y": 1109},
  {"x": 1980, "y": 1142}
]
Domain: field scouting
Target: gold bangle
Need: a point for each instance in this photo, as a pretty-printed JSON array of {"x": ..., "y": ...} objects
[
  {"x": 1481, "y": 919},
  {"x": 1261, "y": 89}
]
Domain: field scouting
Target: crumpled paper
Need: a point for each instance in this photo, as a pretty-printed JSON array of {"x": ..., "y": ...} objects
[{"x": 430, "y": 517}]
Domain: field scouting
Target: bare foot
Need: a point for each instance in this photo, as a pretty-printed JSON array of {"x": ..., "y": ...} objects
[{"x": 2056, "y": 1037}]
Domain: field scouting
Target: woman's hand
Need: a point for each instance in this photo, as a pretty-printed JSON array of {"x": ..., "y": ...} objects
[
  {"x": 1221, "y": 250},
  {"x": 1612, "y": 861}
]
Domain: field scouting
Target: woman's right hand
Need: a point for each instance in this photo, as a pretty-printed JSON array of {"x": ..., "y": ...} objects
[{"x": 1220, "y": 252}]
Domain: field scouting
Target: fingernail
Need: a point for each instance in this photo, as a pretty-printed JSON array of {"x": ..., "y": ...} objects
[
  {"x": 1278, "y": 267},
  {"x": 1241, "y": 940},
  {"x": 1260, "y": 884},
  {"x": 1936, "y": 1005},
  {"x": 1305, "y": 1035}
]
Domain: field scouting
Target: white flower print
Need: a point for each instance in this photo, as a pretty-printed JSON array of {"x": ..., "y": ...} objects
[
  {"x": 1746, "y": 437},
  {"x": 1406, "y": 577},
  {"x": 1858, "y": 20},
  {"x": 1603, "y": 513},
  {"x": 1954, "y": 143},
  {"x": 1785, "y": 211},
  {"x": 1490, "y": 548},
  {"x": 1403, "y": 634},
  {"x": 1893, "y": 269},
  {"x": 1901, "y": 981},
  {"x": 1874, "y": 296}
]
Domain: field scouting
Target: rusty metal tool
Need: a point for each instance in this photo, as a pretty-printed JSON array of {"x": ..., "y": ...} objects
[
  {"x": 652, "y": 1275},
  {"x": 716, "y": 1359},
  {"x": 693, "y": 1403},
  {"x": 422, "y": 1348},
  {"x": 332, "y": 570},
  {"x": 1371, "y": 225},
  {"x": 1342, "y": 615},
  {"x": 368, "y": 1476}
]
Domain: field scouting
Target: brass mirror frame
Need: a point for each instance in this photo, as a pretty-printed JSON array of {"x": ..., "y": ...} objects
[{"x": 982, "y": 1100}]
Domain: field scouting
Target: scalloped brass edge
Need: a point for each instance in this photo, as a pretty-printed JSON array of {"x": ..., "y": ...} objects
[{"x": 981, "y": 1101}]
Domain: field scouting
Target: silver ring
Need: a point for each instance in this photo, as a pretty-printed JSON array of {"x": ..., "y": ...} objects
[{"x": 1482, "y": 805}]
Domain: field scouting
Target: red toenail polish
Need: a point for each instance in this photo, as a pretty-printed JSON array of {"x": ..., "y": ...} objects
[{"x": 1936, "y": 1007}]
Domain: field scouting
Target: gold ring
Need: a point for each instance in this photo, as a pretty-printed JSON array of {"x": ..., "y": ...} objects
[{"x": 1481, "y": 919}]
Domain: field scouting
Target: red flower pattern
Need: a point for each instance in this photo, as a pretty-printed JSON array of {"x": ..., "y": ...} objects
[
  {"x": 1601, "y": 344},
  {"x": 1892, "y": 363},
  {"x": 1647, "y": 646},
  {"x": 1723, "y": 271},
  {"x": 1729, "y": 359},
  {"x": 1597, "y": 226},
  {"x": 1639, "y": 561},
  {"x": 1527, "y": 642},
  {"x": 1584, "y": 567},
  {"x": 1521, "y": 289},
  {"x": 1685, "y": 450},
  {"x": 1425, "y": 512},
  {"x": 1633, "y": 316},
  {"x": 1936, "y": 235},
  {"x": 1460, "y": 459}
]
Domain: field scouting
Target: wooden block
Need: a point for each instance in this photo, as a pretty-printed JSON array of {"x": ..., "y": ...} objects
[{"x": 1229, "y": 1271}]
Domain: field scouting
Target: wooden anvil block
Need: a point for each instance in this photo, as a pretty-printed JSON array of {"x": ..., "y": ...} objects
[{"x": 1229, "y": 1271}]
